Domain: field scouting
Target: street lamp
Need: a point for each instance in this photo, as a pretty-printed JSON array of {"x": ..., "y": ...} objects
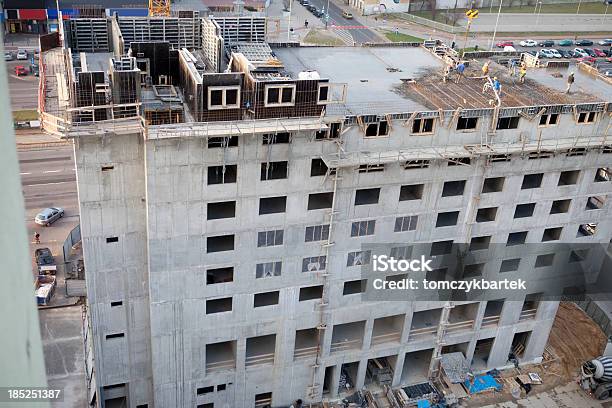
[
  {"x": 539, "y": 11},
  {"x": 603, "y": 20},
  {"x": 496, "y": 23},
  {"x": 578, "y": 9}
]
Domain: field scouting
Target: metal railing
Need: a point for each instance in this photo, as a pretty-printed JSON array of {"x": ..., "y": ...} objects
[
  {"x": 393, "y": 337},
  {"x": 345, "y": 345},
  {"x": 224, "y": 365},
  {"x": 528, "y": 314},
  {"x": 259, "y": 360}
]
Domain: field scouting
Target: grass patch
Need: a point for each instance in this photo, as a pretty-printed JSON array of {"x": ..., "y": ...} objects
[
  {"x": 25, "y": 115},
  {"x": 401, "y": 37},
  {"x": 321, "y": 37}
]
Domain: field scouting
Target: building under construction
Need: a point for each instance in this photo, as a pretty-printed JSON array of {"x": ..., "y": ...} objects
[{"x": 228, "y": 188}]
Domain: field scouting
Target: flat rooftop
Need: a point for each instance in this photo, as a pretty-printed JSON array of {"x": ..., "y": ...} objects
[
  {"x": 371, "y": 73},
  {"x": 385, "y": 80}
]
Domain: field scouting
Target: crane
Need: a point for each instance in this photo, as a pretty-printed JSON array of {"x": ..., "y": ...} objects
[{"x": 159, "y": 7}]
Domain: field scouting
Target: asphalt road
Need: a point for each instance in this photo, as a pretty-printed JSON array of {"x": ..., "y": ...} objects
[
  {"x": 358, "y": 30},
  {"x": 23, "y": 89}
]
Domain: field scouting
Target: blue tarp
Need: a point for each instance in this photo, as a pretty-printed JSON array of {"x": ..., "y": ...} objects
[
  {"x": 482, "y": 383},
  {"x": 423, "y": 404},
  {"x": 52, "y": 13},
  {"x": 128, "y": 12}
]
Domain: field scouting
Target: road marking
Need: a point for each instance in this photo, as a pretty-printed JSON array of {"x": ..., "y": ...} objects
[
  {"x": 24, "y": 174},
  {"x": 51, "y": 171}
]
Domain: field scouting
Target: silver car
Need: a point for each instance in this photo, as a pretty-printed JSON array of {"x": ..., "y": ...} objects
[
  {"x": 22, "y": 55},
  {"x": 48, "y": 216},
  {"x": 8, "y": 56}
]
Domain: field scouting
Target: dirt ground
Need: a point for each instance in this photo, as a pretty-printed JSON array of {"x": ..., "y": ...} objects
[{"x": 573, "y": 339}]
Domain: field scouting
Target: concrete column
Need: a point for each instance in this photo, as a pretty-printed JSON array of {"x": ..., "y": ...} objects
[
  {"x": 335, "y": 382},
  {"x": 510, "y": 313},
  {"x": 501, "y": 347},
  {"x": 361, "y": 373},
  {"x": 537, "y": 341},
  {"x": 399, "y": 366},
  {"x": 367, "y": 334},
  {"x": 479, "y": 315},
  {"x": 406, "y": 328}
]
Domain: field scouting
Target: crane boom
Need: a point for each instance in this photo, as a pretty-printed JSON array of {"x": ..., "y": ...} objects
[{"x": 159, "y": 7}]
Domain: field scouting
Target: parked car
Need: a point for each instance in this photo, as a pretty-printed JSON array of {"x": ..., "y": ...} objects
[
  {"x": 20, "y": 70},
  {"x": 580, "y": 52},
  {"x": 347, "y": 15},
  {"x": 34, "y": 69},
  {"x": 318, "y": 13},
  {"x": 587, "y": 60},
  {"x": 605, "y": 42},
  {"x": 503, "y": 44},
  {"x": 45, "y": 261},
  {"x": 22, "y": 55},
  {"x": 528, "y": 43},
  {"x": 566, "y": 43},
  {"x": 48, "y": 216},
  {"x": 532, "y": 53},
  {"x": 565, "y": 53},
  {"x": 583, "y": 43},
  {"x": 555, "y": 53},
  {"x": 544, "y": 53},
  {"x": 311, "y": 8},
  {"x": 590, "y": 52},
  {"x": 547, "y": 43},
  {"x": 599, "y": 52},
  {"x": 8, "y": 56},
  {"x": 608, "y": 73},
  {"x": 304, "y": 2}
]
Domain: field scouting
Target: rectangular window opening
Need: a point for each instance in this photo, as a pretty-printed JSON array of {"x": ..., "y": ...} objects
[
  {"x": 266, "y": 299},
  {"x": 272, "y": 205},
  {"x": 411, "y": 192},
  {"x": 222, "y": 209},
  {"x": 219, "y": 275},
  {"x": 218, "y": 305},
  {"x": 318, "y": 201},
  {"x": 222, "y": 174},
  {"x": 367, "y": 196}
]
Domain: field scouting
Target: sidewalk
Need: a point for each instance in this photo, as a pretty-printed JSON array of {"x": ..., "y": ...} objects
[{"x": 36, "y": 138}]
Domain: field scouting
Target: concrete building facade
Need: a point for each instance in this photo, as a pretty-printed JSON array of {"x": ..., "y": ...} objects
[{"x": 223, "y": 245}]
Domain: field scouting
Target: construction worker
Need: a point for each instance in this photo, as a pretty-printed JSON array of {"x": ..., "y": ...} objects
[
  {"x": 485, "y": 69},
  {"x": 460, "y": 69},
  {"x": 446, "y": 75},
  {"x": 512, "y": 67},
  {"x": 522, "y": 73},
  {"x": 306, "y": 23},
  {"x": 497, "y": 86},
  {"x": 570, "y": 82},
  {"x": 36, "y": 238}
]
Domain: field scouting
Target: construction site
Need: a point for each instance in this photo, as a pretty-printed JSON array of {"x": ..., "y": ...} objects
[{"x": 227, "y": 187}]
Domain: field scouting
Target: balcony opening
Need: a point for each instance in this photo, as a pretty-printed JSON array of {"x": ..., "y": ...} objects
[
  {"x": 219, "y": 243},
  {"x": 221, "y": 356},
  {"x": 459, "y": 161},
  {"x": 347, "y": 336},
  {"x": 532, "y": 181},
  {"x": 205, "y": 390},
  {"x": 260, "y": 350},
  {"x": 328, "y": 379},
  {"x": 486, "y": 214},
  {"x": 354, "y": 287},
  {"x": 222, "y": 174},
  {"x": 219, "y": 275},
  {"x": 377, "y": 129},
  {"x": 508, "y": 123},
  {"x": 544, "y": 260},
  {"x": 380, "y": 371},
  {"x": 530, "y": 306},
  {"x": 453, "y": 188},
  {"x": 602, "y": 174},
  {"x": 441, "y": 248},
  {"x": 423, "y": 126},
  {"x": 516, "y": 238},
  {"x": 586, "y": 230},
  {"x": 272, "y": 205},
  {"x": 424, "y": 324},
  {"x": 387, "y": 330},
  {"x": 222, "y": 209},
  {"x": 510, "y": 265},
  {"x": 524, "y": 210},
  {"x": 520, "y": 341},
  {"x": 306, "y": 343},
  {"x": 447, "y": 219},
  {"x": 479, "y": 243},
  {"x": 318, "y": 201},
  {"x": 348, "y": 377},
  {"x": 481, "y": 354},
  {"x": 411, "y": 192},
  {"x": 218, "y": 305},
  {"x": 263, "y": 400},
  {"x": 456, "y": 348},
  {"x": 595, "y": 203},
  {"x": 493, "y": 185},
  {"x": 560, "y": 206},
  {"x": 568, "y": 178},
  {"x": 276, "y": 138},
  {"x": 367, "y": 196},
  {"x": 416, "y": 367},
  {"x": 371, "y": 168},
  {"x": 273, "y": 170},
  {"x": 492, "y": 313},
  {"x": 552, "y": 234},
  {"x": 417, "y": 164},
  {"x": 462, "y": 317},
  {"x": 318, "y": 168},
  {"x": 311, "y": 292},
  {"x": 217, "y": 142},
  {"x": 266, "y": 299}
]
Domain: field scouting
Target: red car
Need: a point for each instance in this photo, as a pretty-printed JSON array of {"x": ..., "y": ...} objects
[
  {"x": 586, "y": 60},
  {"x": 599, "y": 52},
  {"x": 20, "y": 70},
  {"x": 503, "y": 44}
]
